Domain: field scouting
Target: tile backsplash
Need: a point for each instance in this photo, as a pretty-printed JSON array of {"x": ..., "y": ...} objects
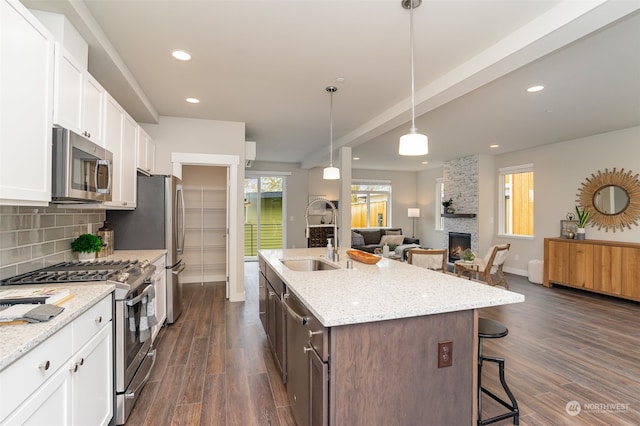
[{"x": 35, "y": 237}]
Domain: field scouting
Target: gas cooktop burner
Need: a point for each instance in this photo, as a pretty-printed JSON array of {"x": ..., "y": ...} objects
[{"x": 76, "y": 271}]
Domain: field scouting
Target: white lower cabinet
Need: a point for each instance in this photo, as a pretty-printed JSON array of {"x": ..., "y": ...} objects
[
  {"x": 160, "y": 287},
  {"x": 92, "y": 383},
  {"x": 54, "y": 384}
]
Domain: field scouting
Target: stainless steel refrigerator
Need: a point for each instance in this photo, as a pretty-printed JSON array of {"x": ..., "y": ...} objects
[{"x": 156, "y": 223}]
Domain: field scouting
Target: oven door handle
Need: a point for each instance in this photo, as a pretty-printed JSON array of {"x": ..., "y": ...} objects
[
  {"x": 132, "y": 394},
  {"x": 139, "y": 297}
]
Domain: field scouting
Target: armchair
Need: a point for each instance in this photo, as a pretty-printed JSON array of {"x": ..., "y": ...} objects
[
  {"x": 490, "y": 264},
  {"x": 430, "y": 259}
]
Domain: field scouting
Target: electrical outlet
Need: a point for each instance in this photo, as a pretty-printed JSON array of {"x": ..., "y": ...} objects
[{"x": 445, "y": 354}]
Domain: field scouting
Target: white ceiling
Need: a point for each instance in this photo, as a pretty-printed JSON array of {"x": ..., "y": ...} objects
[{"x": 267, "y": 63}]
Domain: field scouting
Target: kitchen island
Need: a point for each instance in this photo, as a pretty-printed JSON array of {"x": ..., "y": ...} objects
[{"x": 379, "y": 332}]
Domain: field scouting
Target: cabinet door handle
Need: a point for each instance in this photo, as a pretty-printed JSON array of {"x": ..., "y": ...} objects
[
  {"x": 74, "y": 367},
  {"x": 44, "y": 366},
  {"x": 98, "y": 319},
  {"x": 313, "y": 333},
  {"x": 306, "y": 349}
]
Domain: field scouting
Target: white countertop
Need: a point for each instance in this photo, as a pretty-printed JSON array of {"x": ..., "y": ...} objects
[
  {"x": 16, "y": 340},
  {"x": 141, "y": 255},
  {"x": 389, "y": 289}
]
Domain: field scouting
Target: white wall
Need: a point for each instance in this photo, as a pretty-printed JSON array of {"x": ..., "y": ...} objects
[
  {"x": 426, "y": 198},
  {"x": 176, "y": 134},
  {"x": 185, "y": 135},
  {"x": 487, "y": 192},
  {"x": 559, "y": 170}
]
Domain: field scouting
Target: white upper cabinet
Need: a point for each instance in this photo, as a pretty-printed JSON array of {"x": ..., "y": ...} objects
[
  {"x": 93, "y": 102},
  {"x": 146, "y": 152},
  {"x": 120, "y": 138},
  {"x": 26, "y": 85},
  {"x": 69, "y": 80},
  {"x": 129, "y": 176},
  {"x": 78, "y": 98}
]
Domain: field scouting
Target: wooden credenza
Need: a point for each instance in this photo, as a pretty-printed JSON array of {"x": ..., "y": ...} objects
[{"x": 607, "y": 267}]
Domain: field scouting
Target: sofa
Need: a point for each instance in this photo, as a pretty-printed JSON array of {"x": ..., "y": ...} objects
[{"x": 370, "y": 239}]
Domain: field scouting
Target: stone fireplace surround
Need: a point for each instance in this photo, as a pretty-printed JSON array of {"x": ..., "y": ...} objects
[{"x": 461, "y": 185}]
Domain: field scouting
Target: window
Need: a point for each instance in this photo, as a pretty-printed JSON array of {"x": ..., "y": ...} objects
[
  {"x": 439, "y": 225},
  {"x": 516, "y": 200},
  {"x": 370, "y": 204}
]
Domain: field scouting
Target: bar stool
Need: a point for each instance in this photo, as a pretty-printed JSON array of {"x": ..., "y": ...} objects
[{"x": 490, "y": 329}]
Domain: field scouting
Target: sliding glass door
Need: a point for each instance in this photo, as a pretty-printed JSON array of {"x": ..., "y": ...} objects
[{"x": 263, "y": 214}]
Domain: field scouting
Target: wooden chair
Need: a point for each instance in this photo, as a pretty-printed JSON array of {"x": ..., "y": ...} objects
[
  {"x": 429, "y": 258},
  {"x": 492, "y": 264}
]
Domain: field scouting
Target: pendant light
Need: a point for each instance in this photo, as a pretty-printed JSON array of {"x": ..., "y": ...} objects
[
  {"x": 413, "y": 143},
  {"x": 331, "y": 173}
]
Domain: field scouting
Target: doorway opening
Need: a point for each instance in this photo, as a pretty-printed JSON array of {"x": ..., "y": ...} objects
[
  {"x": 206, "y": 224},
  {"x": 264, "y": 214}
]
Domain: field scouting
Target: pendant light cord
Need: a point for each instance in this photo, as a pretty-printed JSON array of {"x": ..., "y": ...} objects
[
  {"x": 413, "y": 96},
  {"x": 331, "y": 130}
]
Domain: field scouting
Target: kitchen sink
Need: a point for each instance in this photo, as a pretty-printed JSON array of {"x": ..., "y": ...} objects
[{"x": 307, "y": 265}]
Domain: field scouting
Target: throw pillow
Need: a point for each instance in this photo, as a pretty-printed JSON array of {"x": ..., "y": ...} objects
[
  {"x": 392, "y": 239},
  {"x": 371, "y": 236},
  {"x": 356, "y": 239},
  {"x": 393, "y": 232}
]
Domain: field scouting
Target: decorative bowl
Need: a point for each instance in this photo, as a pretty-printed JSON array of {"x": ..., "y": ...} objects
[{"x": 363, "y": 256}]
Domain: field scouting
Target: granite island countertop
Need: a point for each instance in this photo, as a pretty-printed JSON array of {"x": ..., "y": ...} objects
[
  {"x": 18, "y": 339},
  {"x": 390, "y": 289}
]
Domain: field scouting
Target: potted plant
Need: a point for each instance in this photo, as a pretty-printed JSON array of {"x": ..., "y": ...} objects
[
  {"x": 86, "y": 245},
  {"x": 468, "y": 256},
  {"x": 583, "y": 218},
  {"x": 448, "y": 206}
]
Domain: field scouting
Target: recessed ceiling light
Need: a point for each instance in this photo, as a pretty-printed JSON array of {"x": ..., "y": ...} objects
[
  {"x": 425, "y": 162},
  {"x": 181, "y": 55},
  {"x": 356, "y": 158},
  {"x": 534, "y": 89},
  {"x": 495, "y": 145},
  {"x": 193, "y": 100}
]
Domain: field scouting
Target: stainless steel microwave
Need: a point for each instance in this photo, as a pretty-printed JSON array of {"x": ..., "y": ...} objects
[{"x": 82, "y": 170}]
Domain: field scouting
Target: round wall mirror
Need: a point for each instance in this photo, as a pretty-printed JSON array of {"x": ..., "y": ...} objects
[
  {"x": 613, "y": 197},
  {"x": 610, "y": 199}
]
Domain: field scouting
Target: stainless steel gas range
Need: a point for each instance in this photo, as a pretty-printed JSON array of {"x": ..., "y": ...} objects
[{"x": 133, "y": 353}]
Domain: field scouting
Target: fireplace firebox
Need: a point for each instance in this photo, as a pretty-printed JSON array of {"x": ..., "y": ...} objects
[{"x": 458, "y": 242}]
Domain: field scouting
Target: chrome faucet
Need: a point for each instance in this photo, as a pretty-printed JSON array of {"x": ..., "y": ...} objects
[{"x": 334, "y": 215}]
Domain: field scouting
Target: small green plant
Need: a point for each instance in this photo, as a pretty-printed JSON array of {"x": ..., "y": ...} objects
[
  {"x": 468, "y": 255},
  {"x": 583, "y": 216},
  {"x": 86, "y": 243}
]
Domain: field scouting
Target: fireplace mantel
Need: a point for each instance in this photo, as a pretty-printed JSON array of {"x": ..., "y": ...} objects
[{"x": 459, "y": 215}]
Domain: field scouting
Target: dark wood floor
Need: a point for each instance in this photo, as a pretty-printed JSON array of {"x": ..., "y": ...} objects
[{"x": 214, "y": 366}]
